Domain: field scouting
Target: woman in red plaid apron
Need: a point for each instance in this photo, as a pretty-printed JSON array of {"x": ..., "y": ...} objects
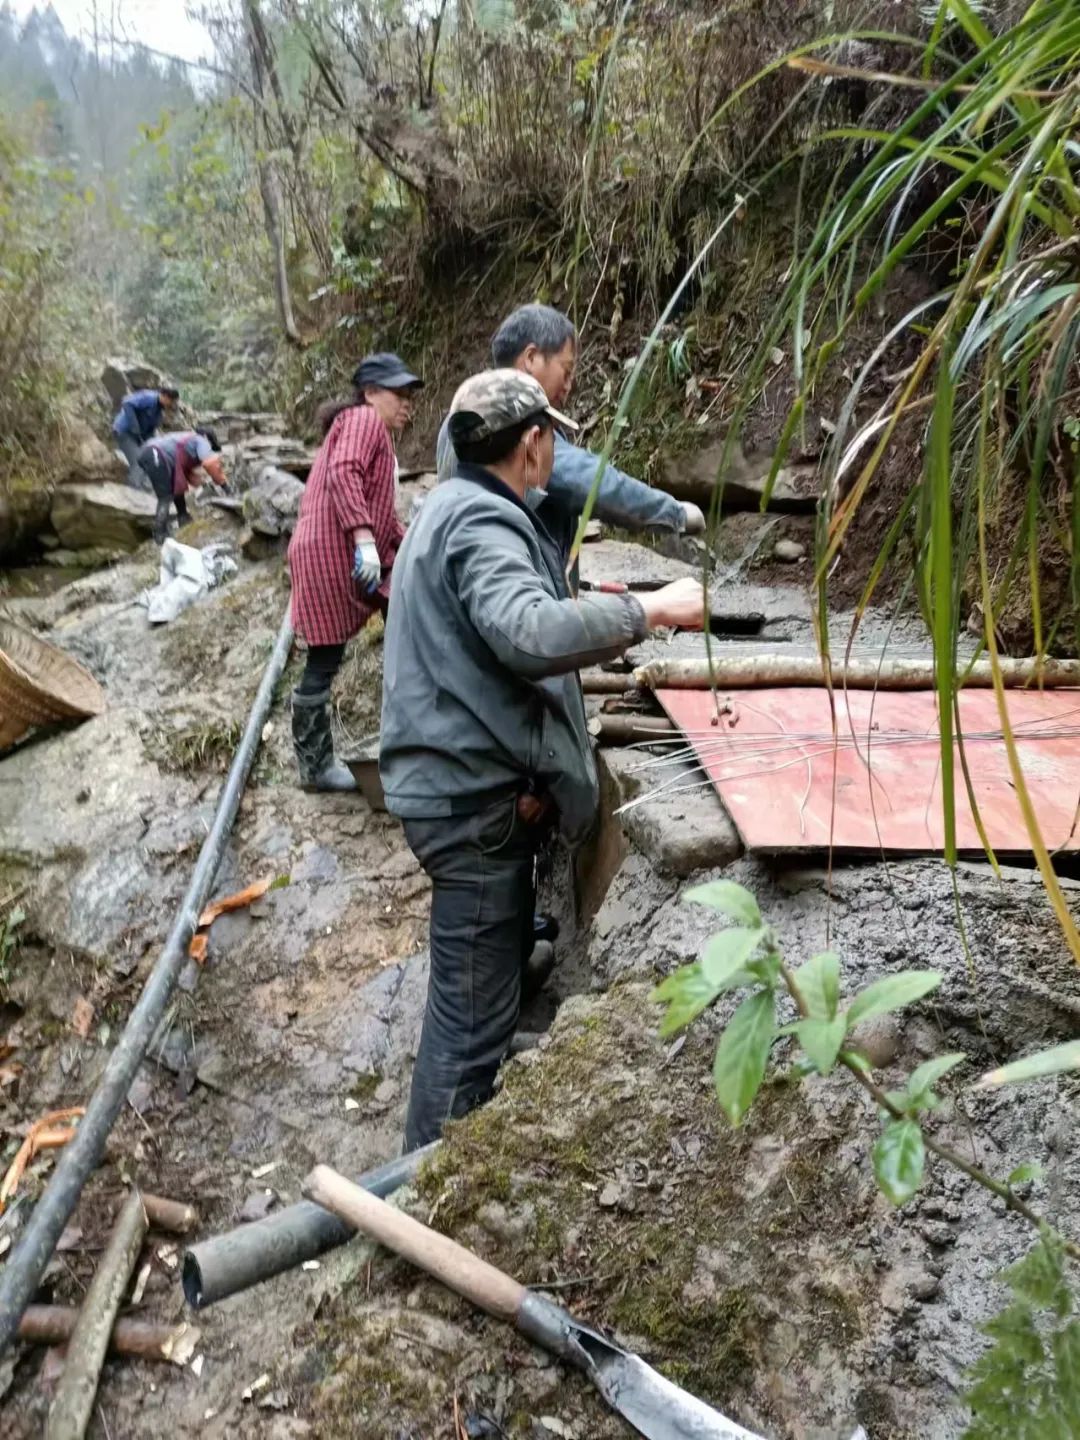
[{"x": 343, "y": 549}]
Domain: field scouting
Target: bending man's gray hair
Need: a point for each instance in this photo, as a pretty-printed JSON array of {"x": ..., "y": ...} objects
[{"x": 540, "y": 325}]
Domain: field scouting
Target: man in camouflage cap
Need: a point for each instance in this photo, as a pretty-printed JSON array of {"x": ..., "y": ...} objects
[{"x": 484, "y": 743}]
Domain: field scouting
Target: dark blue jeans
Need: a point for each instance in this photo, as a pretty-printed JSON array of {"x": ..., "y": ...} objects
[{"x": 482, "y": 869}]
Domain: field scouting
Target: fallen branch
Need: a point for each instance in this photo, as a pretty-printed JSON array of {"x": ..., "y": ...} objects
[
  {"x": 171, "y": 1215},
  {"x": 601, "y": 682},
  {"x": 629, "y": 729},
  {"x": 55, "y": 1325},
  {"x": 73, "y": 1403},
  {"x": 766, "y": 671}
]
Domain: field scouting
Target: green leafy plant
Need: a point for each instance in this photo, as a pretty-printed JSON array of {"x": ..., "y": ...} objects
[
  {"x": 977, "y": 157},
  {"x": 1026, "y": 1386},
  {"x": 746, "y": 956}
]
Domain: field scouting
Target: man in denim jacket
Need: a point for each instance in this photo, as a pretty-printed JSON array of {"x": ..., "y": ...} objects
[{"x": 542, "y": 342}]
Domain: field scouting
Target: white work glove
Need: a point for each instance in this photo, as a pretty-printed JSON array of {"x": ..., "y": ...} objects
[
  {"x": 694, "y": 523},
  {"x": 367, "y": 567}
]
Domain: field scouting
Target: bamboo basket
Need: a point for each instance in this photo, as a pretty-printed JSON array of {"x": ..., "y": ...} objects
[{"x": 40, "y": 684}]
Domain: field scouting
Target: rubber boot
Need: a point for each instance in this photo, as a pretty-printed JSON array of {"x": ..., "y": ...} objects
[
  {"x": 545, "y": 927},
  {"x": 314, "y": 744},
  {"x": 536, "y": 970},
  {"x": 161, "y": 521}
]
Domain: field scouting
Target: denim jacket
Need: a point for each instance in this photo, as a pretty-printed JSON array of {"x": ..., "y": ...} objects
[{"x": 621, "y": 500}]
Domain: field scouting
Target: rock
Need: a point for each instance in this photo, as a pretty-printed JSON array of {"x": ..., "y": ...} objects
[
  {"x": 627, "y": 564},
  {"x": 104, "y": 516},
  {"x": 256, "y": 547},
  {"x": 88, "y": 460},
  {"x": 617, "y": 1195},
  {"x": 141, "y": 1095},
  {"x": 272, "y": 504},
  {"x": 123, "y": 374},
  {"x": 680, "y": 832},
  {"x": 936, "y": 1232},
  {"x": 789, "y": 551},
  {"x": 257, "y": 1206},
  {"x": 924, "y": 1286},
  {"x": 24, "y": 510},
  {"x": 878, "y": 1039},
  {"x": 92, "y": 559},
  {"x": 247, "y": 462},
  {"x": 693, "y": 477},
  {"x": 234, "y": 427}
]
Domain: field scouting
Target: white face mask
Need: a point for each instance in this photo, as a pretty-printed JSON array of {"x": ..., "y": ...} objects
[{"x": 532, "y": 473}]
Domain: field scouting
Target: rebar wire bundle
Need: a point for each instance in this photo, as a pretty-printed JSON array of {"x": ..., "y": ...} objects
[{"x": 706, "y": 747}]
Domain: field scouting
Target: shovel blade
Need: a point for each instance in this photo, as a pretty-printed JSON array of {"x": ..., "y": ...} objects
[{"x": 654, "y": 1406}]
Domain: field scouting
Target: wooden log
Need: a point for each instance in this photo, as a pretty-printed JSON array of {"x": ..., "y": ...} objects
[
  {"x": 603, "y": 682},
  {"x": 73, "y": 1403},
  {"x": 758, "y": 671},
  {"x": 171, "y": 1215},
  {"x": 54, "y": 1325},
  {"x": 629, "y": 729}
]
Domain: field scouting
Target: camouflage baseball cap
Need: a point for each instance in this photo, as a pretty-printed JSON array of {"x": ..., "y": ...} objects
[{"x": 495, "y": 400}]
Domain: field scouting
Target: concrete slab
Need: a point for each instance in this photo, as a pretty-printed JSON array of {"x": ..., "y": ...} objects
[{"x": 681, "y": 831}]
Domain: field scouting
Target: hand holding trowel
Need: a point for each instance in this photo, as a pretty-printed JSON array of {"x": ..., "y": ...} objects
[{"x": 653, "y": 1406}]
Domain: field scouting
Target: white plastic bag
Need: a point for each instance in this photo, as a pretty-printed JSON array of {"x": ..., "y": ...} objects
[{"x": 186, "y": 576}]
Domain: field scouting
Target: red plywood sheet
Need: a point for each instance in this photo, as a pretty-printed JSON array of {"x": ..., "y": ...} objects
[{"x": 788, "y": 787}]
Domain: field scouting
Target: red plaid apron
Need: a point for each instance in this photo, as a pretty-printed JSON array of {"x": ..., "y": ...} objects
[{"x": 351, "y": 485}]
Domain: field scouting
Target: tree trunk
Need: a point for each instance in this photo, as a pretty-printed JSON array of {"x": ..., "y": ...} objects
[
  {"x": 269, "y": 180},
  {"x": 763, "y": 671}
]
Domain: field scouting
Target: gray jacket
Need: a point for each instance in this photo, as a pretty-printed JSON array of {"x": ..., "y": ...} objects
[
  {"x": 621, "y": 500},
  {"x": 481, "y": 697}
]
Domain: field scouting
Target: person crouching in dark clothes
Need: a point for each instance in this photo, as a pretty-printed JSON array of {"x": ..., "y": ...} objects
[
  {"x": 484, "y": 744},
  {"x": 342, "y": 553},
  {"x": 176, "y": 463}
]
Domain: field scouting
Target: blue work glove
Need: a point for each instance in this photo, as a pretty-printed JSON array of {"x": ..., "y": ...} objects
[{"x": 367, "y": 567}]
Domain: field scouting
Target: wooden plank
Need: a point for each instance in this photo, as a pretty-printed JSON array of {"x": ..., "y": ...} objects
[{"x": 787, "y": 786}]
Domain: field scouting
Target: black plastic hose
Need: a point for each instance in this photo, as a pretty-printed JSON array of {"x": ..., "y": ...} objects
[
  {"x": 226, "y": 1264},
  {"x": 22, "y": 1273}
]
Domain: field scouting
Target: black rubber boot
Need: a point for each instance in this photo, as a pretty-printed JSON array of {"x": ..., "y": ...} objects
[
  {"x": 536, "y": 970},
  {"x": 161, "y": 521},
  {"x": 545, "y": 927},
  {"x": 314, "y": 745}
]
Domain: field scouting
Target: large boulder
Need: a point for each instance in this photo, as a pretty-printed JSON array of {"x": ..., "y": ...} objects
[
  {"x": 102, "y": 517},
  {"x": 693, "y": 477},
  {"x": 24, "y": 510},
  {"x": 234, "y": 427},
  {"x": 123, "y": 374},
  {"x": 248, "y": 461},
  {"x": 87, "y": 459},
  {"x": 273, "y": 502}
]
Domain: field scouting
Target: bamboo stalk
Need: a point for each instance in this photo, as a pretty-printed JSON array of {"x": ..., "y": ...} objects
[
  {"x": 171, "y": 1215},
  {"x": 73, "y": 1404},
  {"x": 756, "y": 671},
  {"x": 628, "y": 729},
  {"x": 602, "y": 682},
  {"x": 55, "y": 1324}
]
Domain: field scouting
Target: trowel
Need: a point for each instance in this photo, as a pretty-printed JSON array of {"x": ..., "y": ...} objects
[{"x": 654, "y": 1406}]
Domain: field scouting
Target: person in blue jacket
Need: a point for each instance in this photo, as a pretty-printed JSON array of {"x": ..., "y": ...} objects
[
  {"x": 137, "y": 421},
  {"x": 543, "y": 342}
]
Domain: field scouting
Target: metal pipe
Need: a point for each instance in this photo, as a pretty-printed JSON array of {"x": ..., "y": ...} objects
[
  {"x": 226, "y": 1264},
  {"x": 25, "y": 1266}
]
